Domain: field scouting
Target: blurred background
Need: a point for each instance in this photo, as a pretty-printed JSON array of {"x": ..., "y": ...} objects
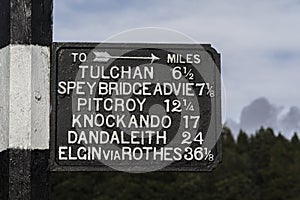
[{"x": 260, "y": 47}]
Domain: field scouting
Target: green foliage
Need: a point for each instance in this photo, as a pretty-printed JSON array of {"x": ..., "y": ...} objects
[{"x": 263, "y": 166}]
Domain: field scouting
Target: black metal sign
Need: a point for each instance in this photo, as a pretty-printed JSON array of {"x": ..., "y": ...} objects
[{"x": 135, "y": 107}]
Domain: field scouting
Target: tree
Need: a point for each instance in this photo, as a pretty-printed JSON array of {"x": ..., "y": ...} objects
[{"x": 261, "y": 166}]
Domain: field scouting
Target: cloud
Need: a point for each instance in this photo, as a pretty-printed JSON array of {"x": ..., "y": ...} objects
[
  {"x": 290, "y": 122},
  {"x": 259, "y": 40},
  {"x": 261, "y": 113}
]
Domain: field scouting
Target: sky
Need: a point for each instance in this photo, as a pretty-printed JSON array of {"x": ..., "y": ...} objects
[{"x": 259, "y": 41}]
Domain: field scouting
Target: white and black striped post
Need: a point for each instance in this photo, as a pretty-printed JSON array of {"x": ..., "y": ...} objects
[{"x": 25, "y": 39}]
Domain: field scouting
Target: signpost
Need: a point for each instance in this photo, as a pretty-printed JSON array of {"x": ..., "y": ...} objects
[
  {"x": 135, "y": 107},
  {"x": 125, "y": 107},
  {"x": 25, "y": 39}
]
